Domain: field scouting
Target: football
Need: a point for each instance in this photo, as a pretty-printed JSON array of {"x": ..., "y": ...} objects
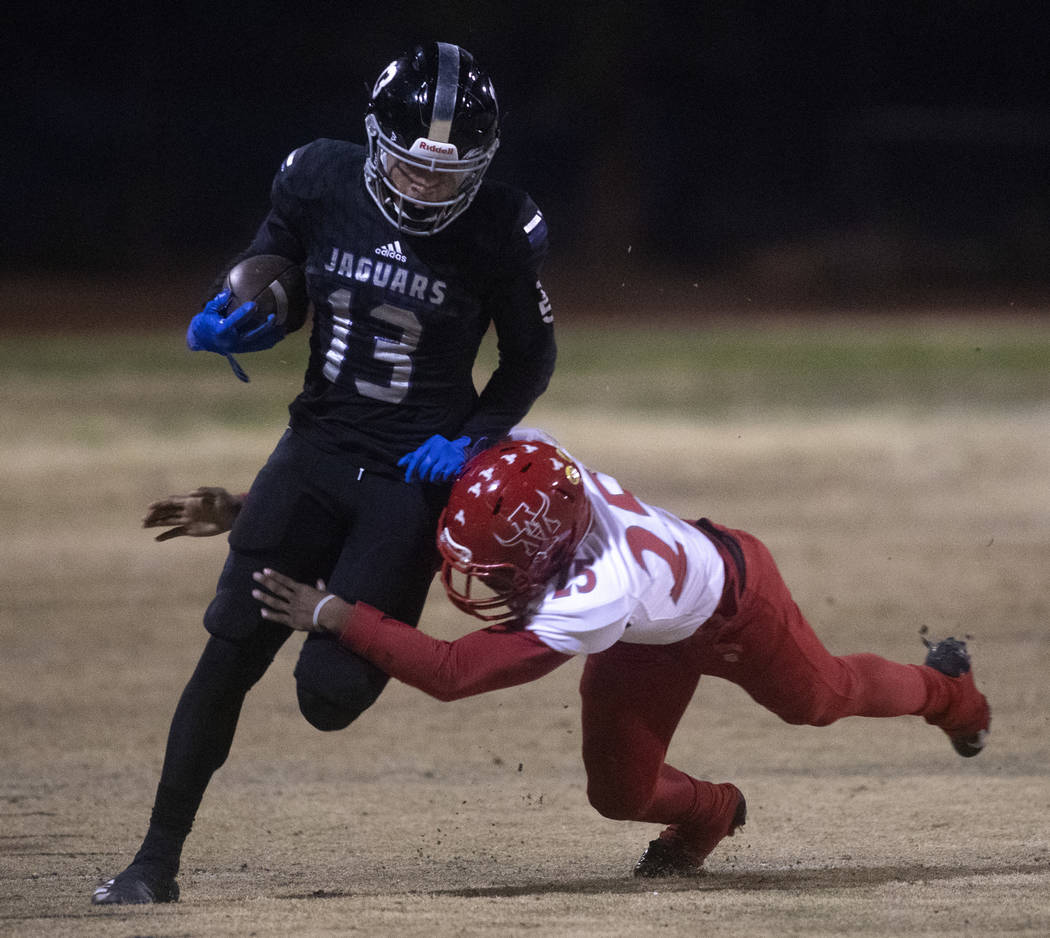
[{"x": 276, "y": 285}]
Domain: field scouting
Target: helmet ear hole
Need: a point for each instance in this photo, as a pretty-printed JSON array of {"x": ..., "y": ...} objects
[{"x": 510, "y": 528}]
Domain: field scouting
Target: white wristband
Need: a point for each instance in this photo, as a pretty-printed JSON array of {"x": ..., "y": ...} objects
[{"x": 320, "y": 603}]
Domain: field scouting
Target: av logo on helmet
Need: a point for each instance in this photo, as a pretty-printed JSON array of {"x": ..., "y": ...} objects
[
  {"x": 383, "y": 80},
  {"x": 533, "y": 529}
]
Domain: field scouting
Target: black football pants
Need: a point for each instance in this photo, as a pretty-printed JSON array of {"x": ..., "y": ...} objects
[{"x": 311, "y": 515}]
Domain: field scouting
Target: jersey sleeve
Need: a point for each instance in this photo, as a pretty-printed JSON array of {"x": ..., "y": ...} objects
[
  {"x": 521, "y": 313},
  {"x": 282, "y": 230},
  {"x": 485, "y": 660},
  {"x": 583, "y": 618}
]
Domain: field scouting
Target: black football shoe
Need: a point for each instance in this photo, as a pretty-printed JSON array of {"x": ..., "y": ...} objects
[
  {"x": 137, "y": 885},
  {"x": 967, "y": 718}
]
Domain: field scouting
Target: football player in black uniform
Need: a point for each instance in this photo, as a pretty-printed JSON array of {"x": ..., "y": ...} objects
[{"x": 409, "y": 256}]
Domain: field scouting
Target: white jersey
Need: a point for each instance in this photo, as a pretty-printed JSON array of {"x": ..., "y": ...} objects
[{"x": 640, "y": 575}]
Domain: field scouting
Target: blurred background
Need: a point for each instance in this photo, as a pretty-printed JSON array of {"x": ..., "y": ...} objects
[{"x": 854, "y": 154}]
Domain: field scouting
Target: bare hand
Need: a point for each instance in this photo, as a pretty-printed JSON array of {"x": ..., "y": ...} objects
[
  {"x": 298, "y": 606},
  {"x": 204, "y": 512}
]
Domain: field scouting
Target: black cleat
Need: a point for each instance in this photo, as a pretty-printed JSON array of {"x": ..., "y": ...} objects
[
  {"x": 136, "y": 886},
  {"x": 968, "y": 717},
  {"x": 673, "y": 854},
  {"x": 949, "y": 656},
  {"x": 665, "y": 857}
]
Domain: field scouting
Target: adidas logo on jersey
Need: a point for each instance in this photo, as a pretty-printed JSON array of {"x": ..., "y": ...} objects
[{"x": 393, "y": 251}]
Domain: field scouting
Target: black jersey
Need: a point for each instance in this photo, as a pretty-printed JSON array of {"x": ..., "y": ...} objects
[{"x": 398, "y": 319}]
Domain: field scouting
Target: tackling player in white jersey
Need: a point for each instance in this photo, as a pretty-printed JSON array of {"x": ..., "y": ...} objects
[{"x": 561, "y": 560}]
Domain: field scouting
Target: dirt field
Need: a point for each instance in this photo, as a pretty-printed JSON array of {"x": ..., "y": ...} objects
[{"x": 470, "y": 818}]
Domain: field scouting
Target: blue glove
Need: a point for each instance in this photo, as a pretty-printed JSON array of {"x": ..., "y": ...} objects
[
  {"x": 437, "y": 460},
  {"x": 211, "y": 331}
]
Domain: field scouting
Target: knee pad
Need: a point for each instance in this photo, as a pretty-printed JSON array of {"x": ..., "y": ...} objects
[
  {"x": 232, "y": 614},
  {"x": 236, "y": 666},
  {"x": 323, "y": 714},
  {"x": 334, "y": 686}
]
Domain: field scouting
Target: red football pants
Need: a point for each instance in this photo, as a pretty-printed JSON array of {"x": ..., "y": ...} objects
[{"x": 633, "y": 696}]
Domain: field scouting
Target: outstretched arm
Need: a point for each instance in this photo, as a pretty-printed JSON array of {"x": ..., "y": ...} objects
[
  {"x": 203, "y": 512},
  {"x": 485, "y": 660}
]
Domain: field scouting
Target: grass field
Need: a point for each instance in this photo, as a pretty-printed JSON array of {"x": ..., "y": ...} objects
[{"x": 897, "y": 467}]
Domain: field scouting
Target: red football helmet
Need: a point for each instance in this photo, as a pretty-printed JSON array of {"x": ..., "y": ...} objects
[{"x": 513, "y": 518}]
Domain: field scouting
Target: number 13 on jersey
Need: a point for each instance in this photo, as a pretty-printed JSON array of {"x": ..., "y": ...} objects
[{"x": 395, "y": 354}]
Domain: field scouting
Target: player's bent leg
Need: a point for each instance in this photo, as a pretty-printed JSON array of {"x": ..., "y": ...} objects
[
  {"x": 387, "y": 560},
  {"x": 770, "y": 650},
  {"x": 779, "y": 661},
  {"x": 633, "y": 697},
  {"x": 774, "y": 655},
  {"x": 334, "y": 686},
  {"x": 822, "y": 690}
]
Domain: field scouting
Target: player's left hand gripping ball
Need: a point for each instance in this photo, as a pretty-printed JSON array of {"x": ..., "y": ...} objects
[
  {"x": 213, "y": 331},
  {"x": 437, "y": 460}
]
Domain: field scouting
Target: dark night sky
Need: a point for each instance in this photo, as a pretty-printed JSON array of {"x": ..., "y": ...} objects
[{"x": 880, "y": 144}]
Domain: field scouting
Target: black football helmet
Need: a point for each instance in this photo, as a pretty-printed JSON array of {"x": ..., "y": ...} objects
[{"x": 433, "y": 128}]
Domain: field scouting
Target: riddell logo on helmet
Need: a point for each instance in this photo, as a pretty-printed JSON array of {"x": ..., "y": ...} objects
[
  {"x": 434, "y": 149},
  {"x": 532, "y": 528}
]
